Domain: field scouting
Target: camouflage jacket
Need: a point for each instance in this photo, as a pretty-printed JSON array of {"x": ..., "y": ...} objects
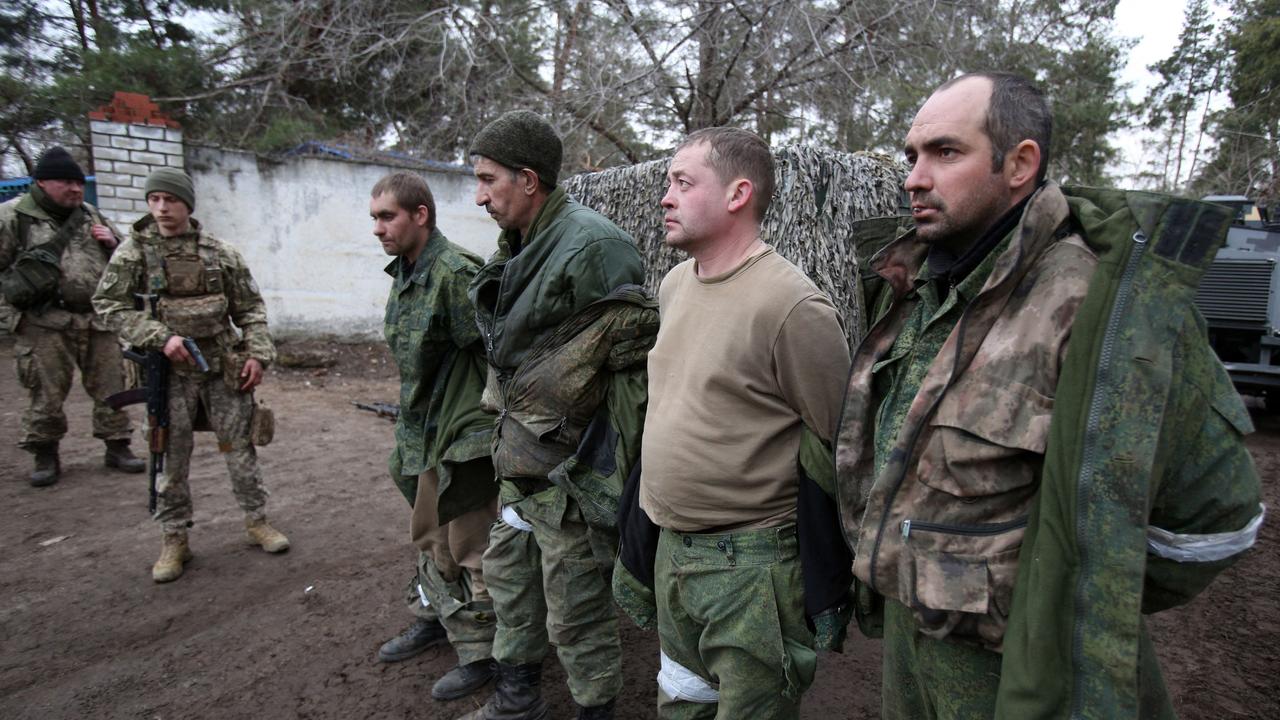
[
  {"x": 994, "y": 450},
  {"x": 570, "y": 405},
  {"x": 128, "y": 273},
  {"x": 431, "y": 330},
  {"x": 83, "y": 263}
]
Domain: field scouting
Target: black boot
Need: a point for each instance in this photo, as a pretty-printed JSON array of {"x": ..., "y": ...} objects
[
  {"x": 48, "y": 467},
  {"x": 597, "y": 712},
  {"x": 518, "y": 695},
  {"x": 463, "y": 680},
  {"x": 120, "y": 457},
  {"x": 419, "y": 636}
]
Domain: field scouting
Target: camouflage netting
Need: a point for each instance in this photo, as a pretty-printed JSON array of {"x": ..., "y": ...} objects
[{"x": 820, "y": 194}]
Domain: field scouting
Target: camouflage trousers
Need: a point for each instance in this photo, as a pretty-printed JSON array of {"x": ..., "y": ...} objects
[
  {"x": 229, "y": 412},
  {"x": 550, "y": 587},
  {"x": 448, "y": 584},
  {"x": 731, "y": 615},
  {"x": 928, "y": 679},
  {"x": 47, "y": 360}
]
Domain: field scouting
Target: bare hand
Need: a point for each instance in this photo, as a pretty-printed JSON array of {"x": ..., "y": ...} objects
[
  {"x": 103, "y": 235},
  {"x": 251, "y": 374},
  {"x": 176, "y": 352}
]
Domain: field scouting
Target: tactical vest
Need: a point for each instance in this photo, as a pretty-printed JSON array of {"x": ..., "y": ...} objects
[{"x": 193, "y": 302}]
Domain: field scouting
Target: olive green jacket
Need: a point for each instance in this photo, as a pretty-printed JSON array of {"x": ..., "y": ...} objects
[{"x": 431, "y": 331}]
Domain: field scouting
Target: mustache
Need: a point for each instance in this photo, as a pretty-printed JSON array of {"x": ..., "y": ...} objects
[{"x": 928, "y": 200}]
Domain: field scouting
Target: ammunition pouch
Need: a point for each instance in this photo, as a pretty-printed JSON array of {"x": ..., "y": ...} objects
[{"x": 262, "y": 428}]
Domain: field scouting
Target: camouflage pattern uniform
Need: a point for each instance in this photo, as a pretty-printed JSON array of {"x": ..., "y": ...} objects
[
  {"x": 431, "y": 330},
  {"x": 51, "y": 342},
  {"x": 204, "y": 287},
  {"x": 941, "y": 451}
]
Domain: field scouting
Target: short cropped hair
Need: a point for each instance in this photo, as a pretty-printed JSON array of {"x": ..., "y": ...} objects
[
  {"x": 736, "y": 153},
  {"x": 410, "y": 192},
  {"x": 1018, "y": 111}
]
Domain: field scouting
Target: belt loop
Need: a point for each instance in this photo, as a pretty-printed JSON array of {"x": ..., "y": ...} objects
[{"x": 728, "y": 549}]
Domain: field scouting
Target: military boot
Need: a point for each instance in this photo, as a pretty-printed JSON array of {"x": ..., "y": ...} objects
[
  {"x": 419, "y": 636},
  {"x": 173, "y": 555},
  {"x": 120, "y": 457},
  {"x": 518, "y": 695},
  {"x": 597, "y": 712},
  {"x": 463, "y": 680},
  {"x": 48, "y": 467},
  {"x": 260, "y": 533}
]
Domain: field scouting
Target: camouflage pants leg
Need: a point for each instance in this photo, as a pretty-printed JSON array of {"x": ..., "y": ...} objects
[
  {"x": 230, "y": 413},
  {"x": 450, "y": 579},
  {"x": 548, "y": 587},
  {"x": 928, "y": 679},
  {"x": 731, "y": 615},
  {"x": 47, "y": 360}
]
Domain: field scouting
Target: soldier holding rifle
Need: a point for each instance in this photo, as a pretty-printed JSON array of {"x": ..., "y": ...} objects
[{"x": 204, "y": 293}]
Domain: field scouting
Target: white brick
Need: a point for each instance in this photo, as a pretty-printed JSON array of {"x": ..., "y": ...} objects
[
  {"x": 161, "y": 146},
  {"x": 138, "y": 181},
  {"x": 128, "y": 143},
  {"x": 146, "y": 131},
  {"x": 150, "y": 158},
  {"x": 109, "y": 153},
  {"x": 106, "y": 191},
  {"x": 108, "y": 128},
  {"x": 101, "y": 141},
  {"x": 133, "y": 168},
  {"x": 177, "y": 161},
  {"x": 111, "y": 203},
  {"x": 115, "y": 179},
  {"x": 132, "y": 193},
  {"x": 141, "y": 206},
  {"x": 173, "y": 135},
  {"x": 101, "y": 166}
]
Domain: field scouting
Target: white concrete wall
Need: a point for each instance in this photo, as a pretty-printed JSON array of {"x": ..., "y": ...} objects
[{"x": 303, "y": 226}]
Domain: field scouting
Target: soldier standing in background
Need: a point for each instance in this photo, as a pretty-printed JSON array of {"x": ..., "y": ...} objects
[
  {"x": 441, "y": 459},
  {"x": 204, "y": 287},
  {"x": 58, "y": 333}
]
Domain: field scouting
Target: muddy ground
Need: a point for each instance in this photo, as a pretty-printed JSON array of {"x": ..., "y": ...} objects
[{"x": 84, "y": 633}]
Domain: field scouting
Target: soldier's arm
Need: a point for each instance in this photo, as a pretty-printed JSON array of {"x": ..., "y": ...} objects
[
  {"x": 113, "y": 300},
  {"x": 598, "y": 268},
  {"x": 8, "y": 237},
  {"x": 463, "y": 329},
  {"x": 247, "y": 308},
  {"x": 811, "y": 357}
]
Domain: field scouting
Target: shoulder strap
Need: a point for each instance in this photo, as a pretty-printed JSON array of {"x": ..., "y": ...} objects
[
  {"x": 24, "y": 229},
  {"x": 156, "y": 282}
]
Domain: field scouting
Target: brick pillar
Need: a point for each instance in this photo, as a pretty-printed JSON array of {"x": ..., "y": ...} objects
[{"x": 131, "y": 137}]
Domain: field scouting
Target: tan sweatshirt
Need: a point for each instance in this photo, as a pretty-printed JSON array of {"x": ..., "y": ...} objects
[{"x": 742, "y": 362}]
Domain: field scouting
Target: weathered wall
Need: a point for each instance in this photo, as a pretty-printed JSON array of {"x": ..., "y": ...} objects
[{"x": 303, "y": 226}]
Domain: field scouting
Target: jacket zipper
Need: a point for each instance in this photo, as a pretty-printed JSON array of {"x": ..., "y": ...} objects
[
  {"x": 1089, "y": 454},
  {"x": 981, "y": 530}
]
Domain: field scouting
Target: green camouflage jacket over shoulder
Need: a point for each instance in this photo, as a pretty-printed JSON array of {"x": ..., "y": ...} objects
[
  {"x": 83, "y": 261},
  {"x": 1039, "y": 490},
  {"x": 431, "y": 330},
  {"x": 127, "y": 274}
]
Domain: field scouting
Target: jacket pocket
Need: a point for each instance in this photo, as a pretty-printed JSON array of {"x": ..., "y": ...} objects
[
  {"x": 981, "y": 436},
  {"x": 959, "y": 578}
]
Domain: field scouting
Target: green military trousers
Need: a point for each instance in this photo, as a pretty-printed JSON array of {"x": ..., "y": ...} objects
[
  {"x": 731, "y": 624},
  {"x": 47, "y": 360},
  {"x": 546, "y": 573},
  {"x": 448, "y": 583},
  {"x": 928, "y": 679}
]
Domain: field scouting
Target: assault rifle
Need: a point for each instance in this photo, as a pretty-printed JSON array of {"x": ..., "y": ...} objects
[
  {"x": 381, "y": 409},
  {"x": 155, "y": 393}
]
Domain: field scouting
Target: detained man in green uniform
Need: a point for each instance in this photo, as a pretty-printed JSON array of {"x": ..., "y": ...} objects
[
  {"x": 441, "y": 459},
  {"x": 750, "y": 354},
  {"x": 552, "y": 305},
  {"x": 1005, "y": 461}
]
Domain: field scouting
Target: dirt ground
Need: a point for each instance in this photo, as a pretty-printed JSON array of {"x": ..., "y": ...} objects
[{"x": 84, "y": 633}]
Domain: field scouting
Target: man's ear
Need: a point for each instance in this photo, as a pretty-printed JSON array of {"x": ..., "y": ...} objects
[
  {"x": 530, "y": 180},
  {"x": 1022, "y": 164},
  {"x": 740, "y": 193},
  {"x": 422, "y": 216}
]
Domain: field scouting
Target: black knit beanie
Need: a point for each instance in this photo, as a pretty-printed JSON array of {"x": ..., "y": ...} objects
[
  {"x": 56, "y": 164},
  {"x": 521, "y": 139}
]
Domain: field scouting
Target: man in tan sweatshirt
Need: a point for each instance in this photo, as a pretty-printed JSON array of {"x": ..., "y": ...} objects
[{"x": 749, "y": 353}]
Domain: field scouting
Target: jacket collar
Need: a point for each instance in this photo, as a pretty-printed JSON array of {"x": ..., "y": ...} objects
[
  {"x": 546, "y": 214},
  {"x": 427, "y": 258}
]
